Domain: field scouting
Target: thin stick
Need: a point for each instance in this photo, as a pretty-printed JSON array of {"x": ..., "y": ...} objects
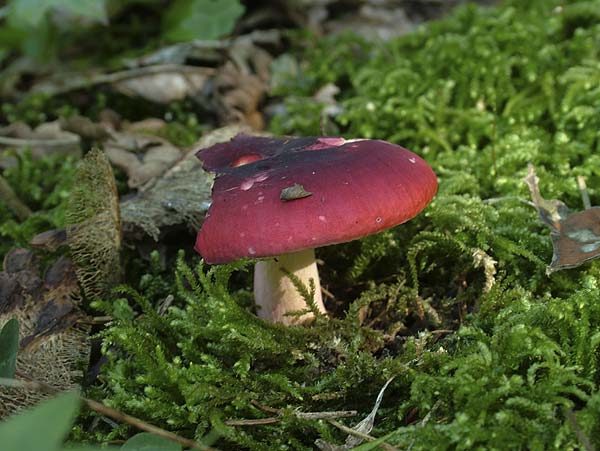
[
  {"x": 253, "y": 422},
  {"x": 302, "y": 415},
  {"x": 360, "y": 435},
  {"x": 116, "y": 415},
  {"x": 12, "y": 201},
  {"x": 95, "y": 320},
  {"x": 585, "y": 197}
]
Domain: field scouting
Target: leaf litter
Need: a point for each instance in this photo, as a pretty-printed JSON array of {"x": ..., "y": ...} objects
[{"x": 575, "y": 235}]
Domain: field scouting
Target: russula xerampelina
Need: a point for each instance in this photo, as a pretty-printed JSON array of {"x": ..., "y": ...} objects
[{"x": 279, "y": 198}]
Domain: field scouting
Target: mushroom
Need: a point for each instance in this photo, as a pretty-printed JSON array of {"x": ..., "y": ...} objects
[{"x": 279, "y": 198}]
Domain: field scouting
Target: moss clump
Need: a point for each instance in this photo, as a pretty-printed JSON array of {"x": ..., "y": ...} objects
[
  {"x": 94, "y": 226},
  {"x": 479, "y": 95},
  {"x": 210, "y": 358}
]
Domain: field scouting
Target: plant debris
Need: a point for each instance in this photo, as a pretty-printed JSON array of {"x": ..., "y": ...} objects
[
  {"x": 43, "y": 140},
  {"x": 94, "y": 226},
  {"x": 181, "y": 196},
  {"x": 575, "y": 236},
  {"x": 53, "y": 342},
  {"x": 143, "y": 157}
]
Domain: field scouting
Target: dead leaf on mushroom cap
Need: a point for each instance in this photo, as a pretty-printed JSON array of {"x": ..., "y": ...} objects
[
  {"x": 575, "y": 236},
  {"x": 52, "y": 342},
  {"x": 48, "y": 138}
]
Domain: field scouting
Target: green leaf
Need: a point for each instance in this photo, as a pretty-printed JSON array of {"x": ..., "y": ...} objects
[
  {"x": 30, "y": 13},
  {"x": 9, "y": 345},
  {"x": 201, "y": 19},
  {"x": 42, "y": 429},
  {"x": 145, "y": 441}
]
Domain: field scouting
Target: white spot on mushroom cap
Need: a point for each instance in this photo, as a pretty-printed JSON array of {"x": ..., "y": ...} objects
[
  {"x": 413, "y": 160},
  {"x": 261, "y": 177},
  {"x": 247, "y": 184},
  {"x": 322, "y": 218},
  {"x": 378, "y": 219},
  {"x": 251, "y": 251}
]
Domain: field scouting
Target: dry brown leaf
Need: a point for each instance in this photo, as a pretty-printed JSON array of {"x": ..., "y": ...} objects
[
  {"x": 46, "y": 139},
  {"x": 150, "y": 124},
  {"x": 85, "y": 128},
  {"x": 575, "y": 236},
  {"x": 241, "y": 84},
  {"x": 172, "y": 83},
  {"x": 181, "y": 196},
  {"x": 159, "y": 83},
  {"x": 52, "y": 343},
  {"x": 50, "y": 240},
  {"x": 143, "y": 157}
]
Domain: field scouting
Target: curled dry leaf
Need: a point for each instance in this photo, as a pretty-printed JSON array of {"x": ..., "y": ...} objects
[
  {"x": 172, "y": 82},
  {"x": 241, "y": 84},
  {"x": 52, "y": 342},
  {"x": 45, "y": 139},
  {"x": 143, "y": 157}
]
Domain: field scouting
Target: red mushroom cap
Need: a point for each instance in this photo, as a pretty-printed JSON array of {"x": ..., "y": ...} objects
[{"x": 272, "y": 196}]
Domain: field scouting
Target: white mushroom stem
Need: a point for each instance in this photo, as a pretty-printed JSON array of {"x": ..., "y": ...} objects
[{"x": 276, "y": 295}]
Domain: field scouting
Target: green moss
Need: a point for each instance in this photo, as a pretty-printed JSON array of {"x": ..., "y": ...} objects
[
  {"x": 44, "y": 186},
  {"x": 479, "y": 95}
]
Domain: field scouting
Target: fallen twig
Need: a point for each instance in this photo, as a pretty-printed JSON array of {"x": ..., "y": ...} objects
[
  {"x": 360, "y": 435},
  {"x": 116, "y": 415},
  {"x": 279, "y": 412},
  {"x": 85, "y": 80}
]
